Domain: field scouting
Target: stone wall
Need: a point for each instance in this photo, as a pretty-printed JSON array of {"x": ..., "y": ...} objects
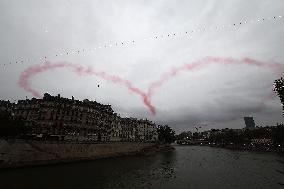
[{"x": 17, "y": 153}]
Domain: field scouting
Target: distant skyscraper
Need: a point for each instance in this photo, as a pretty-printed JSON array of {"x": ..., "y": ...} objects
[{"x": 249, "y": 122}]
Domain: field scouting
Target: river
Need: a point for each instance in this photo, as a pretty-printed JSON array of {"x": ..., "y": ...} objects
[{"x": 186, "y": 167}]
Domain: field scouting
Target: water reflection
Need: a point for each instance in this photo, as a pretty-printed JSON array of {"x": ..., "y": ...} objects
[
  {"x": 151, "y": 170},
  {"x": 186, "y": 167}
]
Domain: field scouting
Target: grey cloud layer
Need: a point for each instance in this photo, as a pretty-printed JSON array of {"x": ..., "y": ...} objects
[{"x": 215, "y": 96}]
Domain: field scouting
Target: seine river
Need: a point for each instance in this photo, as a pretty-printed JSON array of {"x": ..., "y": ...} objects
[{"x": 187, "y": 167}]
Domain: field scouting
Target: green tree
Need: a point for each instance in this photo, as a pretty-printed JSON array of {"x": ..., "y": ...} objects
[
  {"x": 184, "y": 135},
  {"x": 278, "y": 134},
  {"x": 279, "y": 89},
  {"x": 166, "y": 134},
  {"x": 11, "y": 127}
]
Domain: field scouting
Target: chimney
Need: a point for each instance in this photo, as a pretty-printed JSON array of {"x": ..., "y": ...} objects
[
  {"x": 72, "y": 98},
  {"x": 58, "y": 95}
]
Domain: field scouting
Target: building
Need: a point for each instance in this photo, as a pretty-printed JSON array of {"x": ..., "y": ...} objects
[
  {"x": 6, "y": 106},
  {"x": 74, "y": 120},
  {"x": 262, "y": 141},
  {"x": 249, "y": 123}
]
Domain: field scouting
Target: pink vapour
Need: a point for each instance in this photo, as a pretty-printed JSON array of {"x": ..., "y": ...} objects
[
  {"x": 81, "y": 71},
  {"x": 197, "y": 65},
  {"x": 146, "y": 96}
]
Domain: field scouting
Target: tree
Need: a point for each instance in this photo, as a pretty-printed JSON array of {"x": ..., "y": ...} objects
[
  {"x": 11, "y": 127},
  {"x": 279, "y": 89},
  {"x": 184, "y": 135},
  {"x": 278, "y": 134},
  {"x": 166, "y": 134}
]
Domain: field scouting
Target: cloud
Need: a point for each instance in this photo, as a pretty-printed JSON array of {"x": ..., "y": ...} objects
[{"x": 216, "y": 95}]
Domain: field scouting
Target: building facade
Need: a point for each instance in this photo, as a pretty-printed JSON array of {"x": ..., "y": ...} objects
[{"x": 74, "y": 120}]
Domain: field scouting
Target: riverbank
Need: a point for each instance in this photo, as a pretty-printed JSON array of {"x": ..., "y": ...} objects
[
  {"x": 21, "y": 153},
  {"x": 240, "y": 147},
  {"x": 247, "y": 147},
  {"x": 251, "y": 148}
]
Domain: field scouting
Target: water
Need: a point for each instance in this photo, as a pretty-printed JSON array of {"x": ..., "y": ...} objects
[{"x": 186, "y": 167}]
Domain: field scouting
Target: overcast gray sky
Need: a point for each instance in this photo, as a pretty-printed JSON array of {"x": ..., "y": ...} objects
[{"x": 215, "y": 96}]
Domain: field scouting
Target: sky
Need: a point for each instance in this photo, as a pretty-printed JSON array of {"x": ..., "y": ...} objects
[{"x": 141, "y": 42}]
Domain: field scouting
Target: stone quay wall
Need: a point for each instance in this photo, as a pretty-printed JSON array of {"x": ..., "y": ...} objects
[{"x": 20, "y": 153}]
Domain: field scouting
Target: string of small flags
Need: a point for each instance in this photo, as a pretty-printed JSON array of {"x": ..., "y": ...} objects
[{"x": 156, "y": 37}]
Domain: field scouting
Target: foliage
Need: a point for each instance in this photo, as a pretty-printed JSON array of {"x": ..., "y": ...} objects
[
  {"x": 279, "y": 89},
  {"x": 227, "y": 136},
  {"x": 10, "y": 127},
  {"x": 278, "y": 134},
  {"x": 184, "y": 135},
  {"x": 166, "y": 134}
]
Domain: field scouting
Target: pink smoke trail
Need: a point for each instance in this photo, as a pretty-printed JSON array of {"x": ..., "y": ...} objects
[
  {"x": 146, "y": 96},
  {"x": 80, "y": 70},
  {"x": 197, "y": 65}
]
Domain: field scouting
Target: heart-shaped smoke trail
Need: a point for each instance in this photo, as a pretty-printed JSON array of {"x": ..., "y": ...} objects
[
  {"x": 146, "y": 96},
  {"x": 24, "y": 80},
  {"x": 197, "y": 65}
]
